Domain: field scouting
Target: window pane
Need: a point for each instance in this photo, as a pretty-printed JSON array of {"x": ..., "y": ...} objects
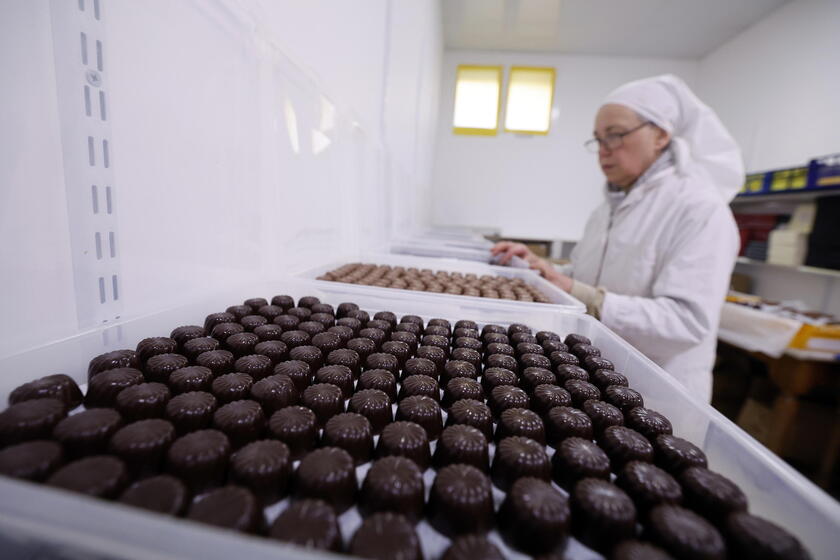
[
  {"x": 530, "y": 93},
  {"x": 477, "y": 92}
]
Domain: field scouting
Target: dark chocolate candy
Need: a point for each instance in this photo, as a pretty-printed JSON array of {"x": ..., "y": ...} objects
[
  {"x": 299, "y": 372},
  {"x": 578, "y": 458},
  {"x": 581, "y": 391},
  {"x": 638, "y": 550},
  {"x": 32, "y": 419},
  {"x": 351, "y": 432},
  {"x": 326, "y": 342},
  {"x": 648, "y": 485},
  {"x": 560, "y": 358},
  {"x": 603, "y": 378},
  {"x": 284, "y": 301},
  {"x": 534, "y": 361},
  {"x": 753, "y": 538},
  {"x": 523, "y": 348},
  {"x": 274, "y": 350},
  {"x": 624, "y": 444},
  {"x": 255, "y": 365},
  {"x": 309, "y": 354},
  {"x": 264, "y": 467},
  {"x": 232, "y": 387},
  {"x": 462, "y": 388},
  {"x": 364, "y": 347},
  {"x": 423, "y": 411},
  {"x": 622, "y": 397},
  {"x": 380, "y": 379},
  {"x": 546, "y": 397},
  {"x": 59, "y": 386},
  {"x": 194, "y": 347},
  {"x": 493, "y": 329},
  {"x": 31, "y": 460},
  {"x": 573, "y": 338},
  {"x": 239, "y": 311},
  {"x": 310, "y": 524},
  {"x": 517, "y": 457},
  {"x": 311, "y": 328},
  {"x": 647, "y": 422},
  {"x": 603, "y": 415},
  {"x": 420, "y": 385},
  {"x": 199, "y": 458},
  {"x": 419, "y": 366},
  {"x": 229, "y": 507},
  {"x": 534, "y": 516},
  {"x": 378, "y": 336},
  {"x": 191, "y": 411},
  {"x": 461, "y": 443},
  {"x": 711, "y": 494},
  {"x": 386, "y": 535},
  {"x": 552, "y": 345},
  {"x": 533, "y": 376},
  {"x": 102, "y": 476},
  {"x": 160, "y": 366},
  {"x": 190, "y": 378},
  {"x": 88, "y": 432},
  {"x": 103, "y": 389},
  {"x": 435, "y": 354},
  {"x": 219, "y": 362},
  {"x": 594, "y": 363},
  {"x": 297, "y": 427},
  {"x": 562, "y": 422},
  {"x": 224, "y": 330},
  {"x": 461, "y": 501},
  {"x": 146, "y": 400},
  {"x": 602, "y": 514},
  {"x": 340, "y": 376},
  {"x": 294, "y": 338},
  {"x": 286, "y": 322},
  {"x": 327, "y": 474},
  {"x": 255, "y": 303},
  {"x": 185, "y": 333},
  {"x": 142, "y": 445},
  {"x": 251, "y": 322},
  {"x": 506, "y": 396},
  {"x": 684, "y": 534},
  {"x": 345, "y": 357},
  {"x": 324, "y": 399},
  {"x": 405, "y": 439},
  {"x": 112, "y": 360},
  {"x": 242, "y": 421},
  {"x": 675, "y": 454},
  {"x": 495, "y": 376},
  {"x": 520, "y": 422},
  {"x": 470, "y": 547},
  {"x": 270, "y": 311},
  {"x": 393, "y": 484},
  {"x": 472, "y": 413},
  {"x": 566, "y": 372},
  {"x": 161, "y": 494},
  {"x": 518, "y": 328},
  {"x": 373, "y": 404}
]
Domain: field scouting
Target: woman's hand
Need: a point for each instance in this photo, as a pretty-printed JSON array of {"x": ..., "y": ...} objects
[{"x": 509, "y": 249}]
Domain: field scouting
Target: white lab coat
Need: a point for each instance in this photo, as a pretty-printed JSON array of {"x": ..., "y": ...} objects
[{"x": 664, "y": 254}]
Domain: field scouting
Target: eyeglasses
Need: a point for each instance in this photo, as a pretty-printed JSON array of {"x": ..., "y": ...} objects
[{"x": 610, "y": 141}]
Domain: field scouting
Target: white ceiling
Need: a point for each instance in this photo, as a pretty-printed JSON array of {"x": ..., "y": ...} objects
[{"x": 661, "y": 28}]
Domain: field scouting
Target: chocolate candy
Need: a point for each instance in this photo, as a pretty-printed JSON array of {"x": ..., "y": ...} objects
[
  {"x": 224, "y": 330},
  {"x": 294, "y": 338},
  {"x": 194, "y": 347},
  {"x": 623, "y": 445},
  {"x": 270, "y": 311},
  {"x": 535, "y": 361},
  {"x": 255, "y": 303},
  {"x": 229, "y": 507},
  {"x": 457, "y": 368},
  {"x": 552, "y": 345},
  {"x": 255, "y": 365},
  {"x": 462, "y": 388},
  {"x": 199, "y": 458},
  {"x": 517, "y": 457},
  {"x": 58, "y": 386},
  {"x": 112, "y": 360},
  {"x": 546, "y": 397},
  {"x": 159, "y": 367},
  {"x": 711, "y": 494},
  {"x": 345, "y": 357},
  {"x": 470, "y": 547},
  {"x": 241, "y": 421},
  {"x": 88, "y": 432},
  {"x": 309, "y": 354},
  {"x": 534, "y": 516},
  {"x": 573, "y": 338},
  {"x": 533, "y": 376},
  {"x": 327, "y": 474},
  {"x": 183, "y": 334},
  {"x": 220, "y": 362},
  {"x": 603, "y": 378},
  {"x": 434, "y": 354},
  {"x": 623, "y": 398},
  {"x": 423, "y": 411},
  {"x": 581, "y": 391},
  {"x": 379, "y": 379},
  {"x": 648, "y": 485},
  {"x": 274, "y": 392},
  {"x": 521, "y": 422},
  {"x": 506, "y": 396},
  {"x": 326, "y": 342},
  {"x": 264, "y": 467},
  {"x": 393, "y": 484},
  {"x": 283, "y": 301},
  {"x": 32, "y": 460},
  {"x": 583, "y": 351},
  {"x": 461, "y": 501},
  {"x": 340, "y": 376},
  {"x": 638, "y": 550},
  {"x": 381, "y": 360},
  {"x": 374, "y": 405},
  {"x": 420, "y": 385},
  {"x": 378, "y": 336},
  {"x": 364, "y": 347},
  {"x": 567, "y": 372},
  {"x": 602, "y": 514},
  {"x": 603, "y": 415},
  {"x": 386, "y": 535},
  {"x": 191, "y": 411},
  {"x": 28, "y": 420},
  {"x": 676, "y": 454},
  {"x": 593, "y": 363},
  {"x": 299, "y": 372},
  {"x": 297, "y": 427},
  {"x": 101, "y": 476},
  {"x": 495, "y": 376},
  {"x": 146, "y": 400},
  {"x": 561, "y": 358},
  {"x": 232, "y": 387},
  {"x": 405, "y": 439},
  {"x": 239, "y": 311},
  {"x": 161, "y": 494},
  {"x": 103, "y": 389},
  {"x": 472, "y": 413},
  {"x": 251, "y": 322},
  {"x": 502, "y": 361},
  {"x": 351, "y": 432},
  {"x": 562, "y": 422},
  {"x": 684, "y": 534},
  {"x": 647, "y": 422},
  {"x": 324, "y": 399},
  {"x": 308, "y": 523},
  {"x": 190, "y": 378},
  {"x": 752, "y": 537},
  {"x": 461, "y": 443},
  {"x": 419, "y": 366},
  {"x": 142, "y": 445},
  {"x": 578, "y": 458}
]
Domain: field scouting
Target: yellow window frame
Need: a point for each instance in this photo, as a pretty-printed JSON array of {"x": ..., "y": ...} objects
[
  {"x": 479, "y": 131},
  {"x": 548, "y": 70}
]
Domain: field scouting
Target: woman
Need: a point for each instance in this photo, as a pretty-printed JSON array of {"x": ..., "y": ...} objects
[{"x": 655, "y": 259}]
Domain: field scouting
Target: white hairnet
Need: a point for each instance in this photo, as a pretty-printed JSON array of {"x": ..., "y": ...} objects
[{"x": 701, "y": 144}]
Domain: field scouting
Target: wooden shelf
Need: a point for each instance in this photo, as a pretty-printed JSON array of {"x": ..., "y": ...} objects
[{"x": 803, "y": 269}]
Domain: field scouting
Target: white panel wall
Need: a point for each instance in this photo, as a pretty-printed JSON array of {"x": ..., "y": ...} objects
[
  {"x": 777, "y": 85},
  {"x": 532, "y": 186},
  {"x": 249, "y": 138}
]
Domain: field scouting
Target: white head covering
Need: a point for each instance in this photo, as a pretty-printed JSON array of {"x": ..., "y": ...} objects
[{"x": 701, "y": 145}]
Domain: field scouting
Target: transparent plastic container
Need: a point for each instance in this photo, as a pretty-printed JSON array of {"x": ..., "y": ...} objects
[
  {"x": 560, "y": 300},
  {"x": 37, "y": 521}
]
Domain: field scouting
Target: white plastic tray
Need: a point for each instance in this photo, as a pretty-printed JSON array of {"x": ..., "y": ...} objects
[
  {"x": 560, "y": 300},
  {"x": 439, "y": 250},
  {"x": 36, "y": 520}
]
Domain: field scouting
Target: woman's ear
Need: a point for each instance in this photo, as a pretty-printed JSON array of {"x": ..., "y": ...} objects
[{"x": 661, "y": 139}]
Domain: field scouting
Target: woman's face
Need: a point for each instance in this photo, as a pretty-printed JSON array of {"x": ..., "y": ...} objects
[{"x": 638, "y": 150}]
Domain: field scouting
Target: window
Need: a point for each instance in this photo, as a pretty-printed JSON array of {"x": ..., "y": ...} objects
[
  {"x": 529, "y": 97},
  {"x": 477, "y": 98}
]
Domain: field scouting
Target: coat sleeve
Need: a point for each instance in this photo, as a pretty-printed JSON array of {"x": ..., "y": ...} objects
[{"x": 690, "y": 287}]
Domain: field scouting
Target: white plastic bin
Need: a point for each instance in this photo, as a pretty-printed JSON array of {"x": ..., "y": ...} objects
[
  {"x": 39, "y": 521},
  {"x": 560, "y": 300}
]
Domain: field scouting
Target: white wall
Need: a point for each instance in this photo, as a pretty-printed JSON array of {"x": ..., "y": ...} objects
[
  {"x": 777, "y": 85},
  {"x": 250, "y": 138},
  {"x": 532, "y": 186}
]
